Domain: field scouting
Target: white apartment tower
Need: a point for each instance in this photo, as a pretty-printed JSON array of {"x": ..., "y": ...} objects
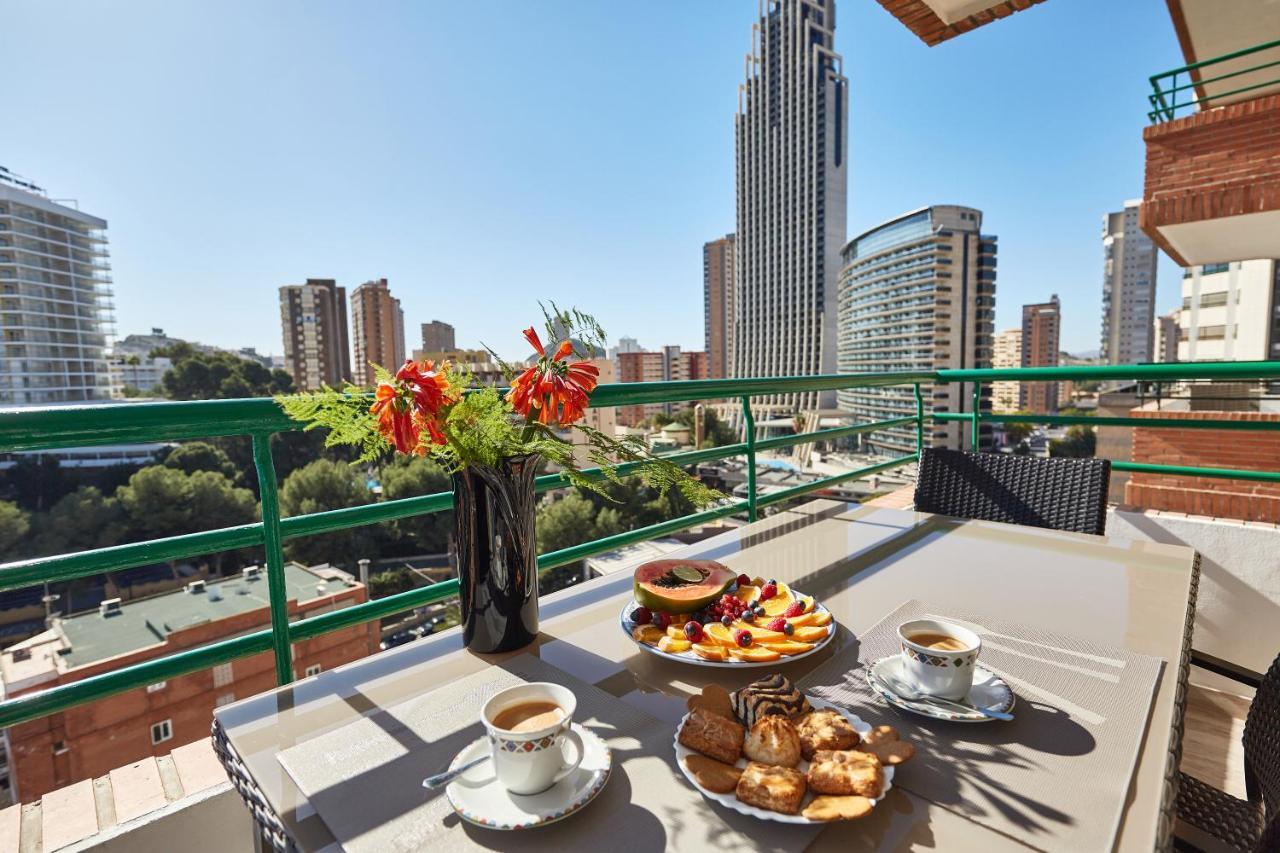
[
  {"x": 1230, "y": 312},
  {"x": 790, "y": 131},
  {"x": 55, "y": 299},
  {"x": 1128, "y": 288},
  {"x": 1006, "y": 396},
  {"x": 918, "y": 294}
]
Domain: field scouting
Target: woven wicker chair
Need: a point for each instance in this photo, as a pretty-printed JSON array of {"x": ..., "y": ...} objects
[
  {"x": 1252, "y": 824},
  {"x": 1060, "y": 494}
]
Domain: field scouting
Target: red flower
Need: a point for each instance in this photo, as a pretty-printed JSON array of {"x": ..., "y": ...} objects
[
  {"x": 559, "y": 391},
  {"x": 413, "y": 402}
]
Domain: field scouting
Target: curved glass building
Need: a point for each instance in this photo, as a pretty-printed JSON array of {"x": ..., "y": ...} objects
[{"x": 917, "y": 293}]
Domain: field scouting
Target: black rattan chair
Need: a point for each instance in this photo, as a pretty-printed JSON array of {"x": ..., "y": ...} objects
[
  {"x": 1253, "y": 824},
  {"x": 1058, "y": 493}
]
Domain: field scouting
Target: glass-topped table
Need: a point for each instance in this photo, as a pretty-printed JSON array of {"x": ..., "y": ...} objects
[{"x": 862, "y": 563}]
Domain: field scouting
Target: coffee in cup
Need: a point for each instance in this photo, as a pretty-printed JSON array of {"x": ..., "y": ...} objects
[
  {"x": 938, "y": 657},
  {"x": 528, "y": 726}
]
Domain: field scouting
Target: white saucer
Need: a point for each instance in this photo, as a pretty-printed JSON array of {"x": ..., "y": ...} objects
[
  {"x": 478, "y": 798},
  {"x": 989, "y": 690},
  {"x": 731, "y": 801}
]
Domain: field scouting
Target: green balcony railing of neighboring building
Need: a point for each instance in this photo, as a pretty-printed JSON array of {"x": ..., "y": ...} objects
[
  {"x": 79, "y": 426},
  {"x": 1183, "y": 89}
]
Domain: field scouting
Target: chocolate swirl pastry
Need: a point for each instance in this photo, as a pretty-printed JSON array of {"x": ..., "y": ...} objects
[{"x": 774, "y": 694}]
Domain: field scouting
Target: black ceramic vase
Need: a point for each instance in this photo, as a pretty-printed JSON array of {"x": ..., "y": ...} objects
[{"x": 497, "y": 554}]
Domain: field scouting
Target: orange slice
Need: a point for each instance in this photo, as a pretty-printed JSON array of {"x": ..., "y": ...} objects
[
  {"x": 816, "y": 618},
  {"x": 789, "y": 647},
  {"x": 674, "y": 646},
  {"x": 748, "y": 594},
  {"x": 719, "y": 634},
  {"x": 758, "y": 632},
  {"x": 647, "y": 634},
  {"x": 809, "y": 634},
  {"x": 675, "y": 633},
  {"x": 755, "y": 654},
  {"x": 709, "y": 652}
]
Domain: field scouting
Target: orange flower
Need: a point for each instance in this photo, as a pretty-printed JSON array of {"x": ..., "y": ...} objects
[
  {"x": 556, "y": 390},
  {"x": 411, "y": 403}
]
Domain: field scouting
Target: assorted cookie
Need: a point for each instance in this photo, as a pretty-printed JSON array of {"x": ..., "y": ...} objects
[{"x": 790, "y": 751}]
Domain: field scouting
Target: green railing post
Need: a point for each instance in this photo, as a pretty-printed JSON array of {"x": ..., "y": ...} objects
[
  {"x": 749, "y": 425},
  {"x": 279, "y": 594},
  {"x": 919, "y": 421},
  {"x": 976, "y": 416}
]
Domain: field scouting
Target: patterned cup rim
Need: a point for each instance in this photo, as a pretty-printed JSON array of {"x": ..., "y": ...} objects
[
  {"x": 534, "y": 691},
  {"x": 973, "y": 643}
]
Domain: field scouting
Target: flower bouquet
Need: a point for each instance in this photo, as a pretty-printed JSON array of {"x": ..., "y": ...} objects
[{"x": 493, "y": 444}]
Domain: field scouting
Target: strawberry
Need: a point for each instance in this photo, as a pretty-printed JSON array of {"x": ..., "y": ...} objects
[
  {"x": 662, "y": 620},
  {"x": 778, "y": 624},
  {"x": 795, "y": 609},
  {"x": 743, "y": 580},
  {"x": 768, "y": 591}
]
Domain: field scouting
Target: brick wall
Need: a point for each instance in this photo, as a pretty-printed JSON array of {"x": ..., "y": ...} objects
[
  {"x": 1216, "y": 163},
  {"x": 1210, "y": 448}
]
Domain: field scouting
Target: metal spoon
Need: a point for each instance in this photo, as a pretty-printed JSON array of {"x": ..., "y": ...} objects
[
  {"x": 441, "y": 779},
  {"x": 912, "y": 695}
]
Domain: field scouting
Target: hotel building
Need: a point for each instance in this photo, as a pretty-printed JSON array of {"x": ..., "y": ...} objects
[
  {"x": 1128, "y": 288},
  {"x": 918, "y": 293}
]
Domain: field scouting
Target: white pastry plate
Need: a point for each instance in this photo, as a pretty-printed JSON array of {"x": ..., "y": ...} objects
[
  {"x": 731, "y": 801},
  {"x": 626, "y": 624},
  {"x": 478, "y": 798}
]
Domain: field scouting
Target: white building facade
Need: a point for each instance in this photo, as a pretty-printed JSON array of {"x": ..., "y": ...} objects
[
  {"x": 55, "y": 300},
  {"x": 1230, "y": 312},
  {"x": 1128, "y": 288},
  {"x": 790, "y": 131}
]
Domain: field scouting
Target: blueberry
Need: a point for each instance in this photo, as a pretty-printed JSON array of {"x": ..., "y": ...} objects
[
  {"x": 772, "y": 581},
  {"x": 748, "y": 617},
  {"x": 726, "y": 620},
  {"x": 788, "y": 629}
]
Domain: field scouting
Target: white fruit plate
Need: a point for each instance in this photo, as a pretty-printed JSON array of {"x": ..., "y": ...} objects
[
  {"x": 627, "y": 624},
  {"x": 731, "y": 801}
]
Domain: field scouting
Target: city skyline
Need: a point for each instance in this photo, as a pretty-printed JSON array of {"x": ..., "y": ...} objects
[{"x": 174, "y": 215}]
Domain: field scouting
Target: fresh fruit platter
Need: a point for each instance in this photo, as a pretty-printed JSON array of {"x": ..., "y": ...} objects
[
  {"x": 771, "y": 752},
  {"x": 702, "y": 612}
]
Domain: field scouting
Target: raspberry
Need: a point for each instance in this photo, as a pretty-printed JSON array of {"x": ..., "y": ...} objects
[
  {"x": 693, "y": 631},
  {"x": 778, "y": 624},
  {"x": 768, "y": 591},
  {"x": 641, "y": 616},
  {"x": 794, "y": 610},
  {"x": 743, "y": 638},
  {"x": 743, "y": 580}
]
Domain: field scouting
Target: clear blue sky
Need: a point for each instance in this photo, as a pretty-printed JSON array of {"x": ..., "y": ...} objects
[{"x": 482, "y": 156}]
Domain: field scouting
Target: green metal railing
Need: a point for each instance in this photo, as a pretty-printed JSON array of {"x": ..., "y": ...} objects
[
  {"x": 1166, "y": 89},
  {"x": 79, "y": 426}
]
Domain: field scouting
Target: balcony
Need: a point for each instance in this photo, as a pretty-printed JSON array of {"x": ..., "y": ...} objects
[
  {"x": 1212, "y": 187},
  {"x": 1231, "y": 550}
]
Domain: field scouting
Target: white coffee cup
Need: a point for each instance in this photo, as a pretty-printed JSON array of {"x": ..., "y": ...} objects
[
  {"x": 945, "y": 673},
  {"x": 527, "y": 762}
]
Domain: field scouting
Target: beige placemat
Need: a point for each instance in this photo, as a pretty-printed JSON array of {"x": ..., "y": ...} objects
[
  {"x": 1058, "y": 775},
  {"x": 365, "y": 779}
]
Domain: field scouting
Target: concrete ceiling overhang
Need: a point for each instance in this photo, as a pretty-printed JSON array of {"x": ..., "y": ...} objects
[
  {"x": 935, "y": 21},
  {"x": 1208, "y": 29}
]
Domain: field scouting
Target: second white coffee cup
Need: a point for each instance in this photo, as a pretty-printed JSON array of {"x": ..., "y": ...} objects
[{"x": 527, "y": 762}]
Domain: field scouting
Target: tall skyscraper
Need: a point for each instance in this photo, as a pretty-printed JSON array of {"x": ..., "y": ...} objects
[
  {"x": 917, "y": 294},
  {"x": 437, "y": 336},
  {"x": 1006, "y": 352},
  {"x": 1230, "y": 312},
  {"x": 1128, "y": 288},
  {"x": 56, "y": 307},
  {"x": 717, "y": 303},
  {"x": 377, "y": 330},
  {"x": 1041, "y": 325},
  {"x": 313, "y": 317},
  {"x": 790, "y": 131}
]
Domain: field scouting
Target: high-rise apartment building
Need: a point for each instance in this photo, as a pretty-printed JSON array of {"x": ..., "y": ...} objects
[
  {"x": 437, "y": 336},
  {"x": 377, "y": 330},
  {"x": 667, "y": 365},
  {"x": 1041, "y": 326},
  {"x": 918, "y": 293},
  {"x": 1230, "y": 312},
  {"x": 790, "y": 133},
  {"x": 1006, "y": 352},
  {"x": 313, "y": 318},
  {"x": 1128, "y": 288},
  {"x": 1165, "y": 336},
  {"x": 55, "y": 299},
  {"x": 717, "y": 303}
]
